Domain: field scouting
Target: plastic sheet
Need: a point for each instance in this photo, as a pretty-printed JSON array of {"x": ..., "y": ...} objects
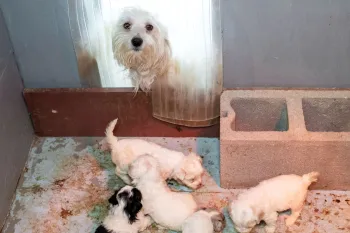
[{"x": 191, "y": 97}]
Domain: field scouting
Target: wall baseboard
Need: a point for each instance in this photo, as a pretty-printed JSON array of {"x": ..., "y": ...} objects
[{"x": 80, "y": 112}]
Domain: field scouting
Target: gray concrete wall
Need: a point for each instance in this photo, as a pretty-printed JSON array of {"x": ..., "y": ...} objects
[
  {"x": 16, "y": 131},
  {"x": 40, "y": 35},
  {"x": 266, "y": 43},
  {"x": 290, "y": 43}
]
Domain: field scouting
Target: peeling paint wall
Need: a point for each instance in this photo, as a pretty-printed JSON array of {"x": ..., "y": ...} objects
[{"x": 16, "y": 131}]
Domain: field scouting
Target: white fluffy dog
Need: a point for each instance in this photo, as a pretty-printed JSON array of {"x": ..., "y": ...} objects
[
  {"x": 269, "y": 197},
  {"x": 204, "y": 221},
  {"x": 187, "y": 170},
  {"x": 126, "y": 214},
  {"x": 168, "y": 209},
  {"x": 140, "y": 43}
]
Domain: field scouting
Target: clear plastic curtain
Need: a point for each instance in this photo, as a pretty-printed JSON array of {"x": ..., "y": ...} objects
[
  {"x": 91, "y": 22},
  {"x": 195, "y": 36},
  {"x": 195, "y": 100}
]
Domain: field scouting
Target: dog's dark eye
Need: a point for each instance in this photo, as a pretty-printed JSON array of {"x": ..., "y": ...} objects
[
  {"x": 149, "y": 27},
  {"x": 127, "y": 26}
]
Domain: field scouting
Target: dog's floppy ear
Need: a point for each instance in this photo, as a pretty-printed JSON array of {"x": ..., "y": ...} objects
[
  {"x": 182, "y": 173},
  {"x": 259, "y": 215},
  {"x": 192, "y": 158},
  {"x": 102, "y": 229},
  {"x": 139, "y": 167},
  {"x": 132, "y": 208},
  {"x": 250, "y": 214},
  {"x": 136, "y": 194},
  {"x": 168, "y": 45},
  {"x": 247, "y": 214},
  {"x": 113, "y": 199},
  {"x": 165, "y": 35},
  {"x": 195, "y": 156}
]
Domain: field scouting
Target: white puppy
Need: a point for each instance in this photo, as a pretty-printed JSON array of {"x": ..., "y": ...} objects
[
  {"x": 126, "y": 214},
  {"x": 187, "y": 170},
  {"x": 204, "y": 221},
  {"x": 168, "y": 209},
  {"x": 140, "y": 43},
  {"x": 269, "y": 197}
]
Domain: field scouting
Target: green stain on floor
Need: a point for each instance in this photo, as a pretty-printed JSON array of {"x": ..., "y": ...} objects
[
  {"x": 105, "y": 161},
  {"x": 99, "y": 212},
  {"x": 209, "y": 149},
  {"x": 176, "y": 186},
  {"x": 229, "y": 225}
]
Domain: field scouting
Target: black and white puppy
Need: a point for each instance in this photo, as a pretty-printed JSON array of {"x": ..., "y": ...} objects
[{"x": 126, "y": 214}]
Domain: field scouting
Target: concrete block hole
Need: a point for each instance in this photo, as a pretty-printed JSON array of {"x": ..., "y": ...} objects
[
  {"x": 327, "y": 114},
  {"x": 258, "y": 114}
]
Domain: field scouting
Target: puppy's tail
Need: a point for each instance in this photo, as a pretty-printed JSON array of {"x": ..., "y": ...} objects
[
  {"x": 310, "y": 177},
  {"x": 111, "y": 139}
]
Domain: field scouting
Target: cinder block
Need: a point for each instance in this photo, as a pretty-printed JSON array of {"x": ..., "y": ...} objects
[{"x": 265, "y": 133}]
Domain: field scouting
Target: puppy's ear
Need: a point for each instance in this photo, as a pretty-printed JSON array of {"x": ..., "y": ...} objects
[
  {"x": 247, "y": 214},
  {"x": 199, "y": 159},
  {"x": 259, "y": 215},
  {"x": 182, "y": 173},
  {"x": 131, "y": 209},
  {"x": 139, "y": 167},
  {"x": 113, "y": 199},
  {"x": 148, "y": 164},
  {"x": 136, "y": 194},
  {"x": 102, "y": 229},
  {"x": 194, "y": 156},
  {"x": 250, "y": 217}
]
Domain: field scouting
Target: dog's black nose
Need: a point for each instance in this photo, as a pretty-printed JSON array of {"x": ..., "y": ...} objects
[{"x": 136, "y": 41}]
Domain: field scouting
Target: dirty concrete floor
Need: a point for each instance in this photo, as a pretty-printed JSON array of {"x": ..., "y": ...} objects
[{"x": 67, "y": 181}]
